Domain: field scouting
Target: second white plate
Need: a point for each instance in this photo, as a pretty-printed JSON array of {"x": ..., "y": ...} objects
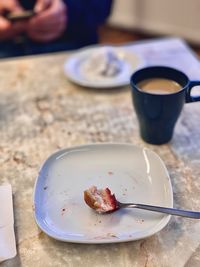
[{"x": 73, "y": 67}]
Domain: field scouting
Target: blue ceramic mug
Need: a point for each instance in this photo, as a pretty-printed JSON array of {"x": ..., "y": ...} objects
[{"x": 158, "y": 112}]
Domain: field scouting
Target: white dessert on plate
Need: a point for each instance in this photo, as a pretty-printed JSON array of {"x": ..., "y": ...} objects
[{"x": 104, "y": 63}]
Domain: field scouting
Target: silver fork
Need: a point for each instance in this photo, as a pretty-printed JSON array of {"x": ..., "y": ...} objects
[{"x": 172, "y": 211}]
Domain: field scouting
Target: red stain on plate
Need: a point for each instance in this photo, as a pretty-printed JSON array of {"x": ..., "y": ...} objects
[
  {"x": 63, "y": 210},
  {"x": 106, "y": 236},
  {"x": 140, "y": 221}
]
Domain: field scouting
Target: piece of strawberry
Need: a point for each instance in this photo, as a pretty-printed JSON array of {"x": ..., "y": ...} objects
[{"x": 101, "y": 200}]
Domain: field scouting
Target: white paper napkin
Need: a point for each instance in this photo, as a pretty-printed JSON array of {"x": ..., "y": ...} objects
[{"x": 7, "y": 235}]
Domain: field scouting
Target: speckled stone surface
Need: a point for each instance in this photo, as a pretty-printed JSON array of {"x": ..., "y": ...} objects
[{"x": 41, "y": 112}]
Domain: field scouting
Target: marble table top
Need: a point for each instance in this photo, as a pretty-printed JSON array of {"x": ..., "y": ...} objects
[{"x": 41, "y": 112}]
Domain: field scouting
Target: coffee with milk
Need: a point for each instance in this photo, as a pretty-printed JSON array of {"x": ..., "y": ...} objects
[{"x": 159, "y": 86}]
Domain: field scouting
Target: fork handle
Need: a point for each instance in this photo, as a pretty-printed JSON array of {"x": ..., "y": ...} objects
[{"x": 172, "y": 211}]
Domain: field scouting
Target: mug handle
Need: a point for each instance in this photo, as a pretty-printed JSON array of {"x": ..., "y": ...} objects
[{"x": 190, "y": 98}]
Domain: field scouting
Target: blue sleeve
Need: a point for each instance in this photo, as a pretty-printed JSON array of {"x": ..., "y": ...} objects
[{"x": 88, "y": 14}]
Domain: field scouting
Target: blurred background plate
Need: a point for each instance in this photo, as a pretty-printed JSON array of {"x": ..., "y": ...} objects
[{"x": 74, "y": 67}]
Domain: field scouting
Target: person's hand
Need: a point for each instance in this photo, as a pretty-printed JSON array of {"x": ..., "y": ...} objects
[
  {"x": 9, "y": 30},
  {"x": 49, "y": 22}
]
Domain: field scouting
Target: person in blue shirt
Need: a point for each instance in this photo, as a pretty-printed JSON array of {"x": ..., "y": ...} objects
[{"x": 56, "y": 26}]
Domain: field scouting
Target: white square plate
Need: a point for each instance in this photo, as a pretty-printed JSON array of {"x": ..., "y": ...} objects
[{"x": 134, "y": 174}]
